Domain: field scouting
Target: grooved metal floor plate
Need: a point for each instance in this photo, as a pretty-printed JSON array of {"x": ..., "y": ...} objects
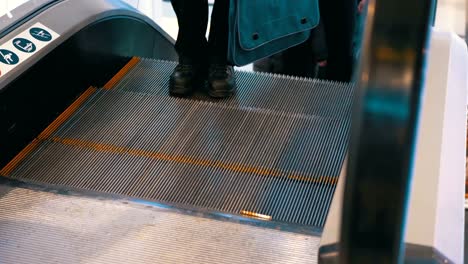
[
  {"x": 272, "y": 155},
  {"x": 259, "y": 90},
  {"x": 43, "y": 228}
]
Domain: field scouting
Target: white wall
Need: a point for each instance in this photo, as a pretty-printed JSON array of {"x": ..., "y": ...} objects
[
  {"x": 7, "y": 5},
  {"x": 451, "y": 16}
]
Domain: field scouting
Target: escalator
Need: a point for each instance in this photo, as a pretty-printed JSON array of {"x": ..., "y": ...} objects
[
  {"x": 267, "y": 151},
  {"x": 102, "y": 131},
  {"x": 100, "y": 165}
]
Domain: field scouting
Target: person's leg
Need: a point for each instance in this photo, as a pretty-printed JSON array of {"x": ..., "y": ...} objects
[
  {"x": 221, "y": 76},
  {"x": 191, "y": 46},
  {"x": 339, "y": 20},
  {"x": 192, "y": 17},
  {"x": 272, "y": 64},
  {"x": 300, "y": 60},
  {"x": 219, "y": 29}
]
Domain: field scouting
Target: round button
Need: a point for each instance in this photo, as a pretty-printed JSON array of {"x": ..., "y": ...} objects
[
  {"x": 40, "y": 34},
  {"x": 255, "y": 36},
  {"x": 8, "y": 57},
  {"x": 303, "y": 20},
  {"x": 24, "y": 45}
]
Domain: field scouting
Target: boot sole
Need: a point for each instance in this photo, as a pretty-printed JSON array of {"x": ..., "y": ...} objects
[
  {"x": 183, "y": 89},
  {"x": 221, "y": 94},
  {"x": 180, "y": 91},
  {"x": 222, "y": 91}
]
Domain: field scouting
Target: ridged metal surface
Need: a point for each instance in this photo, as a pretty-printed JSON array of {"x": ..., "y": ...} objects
[
  {"x": 44, "y": 228},
  {"x": 282, "y": 161},
  {"x": 259, "y": 90}
]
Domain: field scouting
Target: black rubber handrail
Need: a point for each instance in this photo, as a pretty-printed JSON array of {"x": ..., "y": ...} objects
[{"x": 382, "y": 149}]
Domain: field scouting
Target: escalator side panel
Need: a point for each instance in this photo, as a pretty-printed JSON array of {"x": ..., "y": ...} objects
[{"x": 33, "y": 95}]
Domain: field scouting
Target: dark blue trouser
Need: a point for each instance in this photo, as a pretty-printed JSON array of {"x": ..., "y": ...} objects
[
  {"x": 338, "y": 18},
  {"x": 192, "y": 16}
]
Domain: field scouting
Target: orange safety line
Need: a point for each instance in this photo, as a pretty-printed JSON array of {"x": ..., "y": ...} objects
[
  {"x": 66, "y": 114},
  {"x": 109, "y": 85},
  {"x": 256, "y": 215},
  {"x": 189, "y": 160},
  {"x": 8, "y": 169}
]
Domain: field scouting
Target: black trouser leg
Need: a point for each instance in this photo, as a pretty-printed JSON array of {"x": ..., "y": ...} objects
[
  {"x": 339, "y": 17},
  {"x": 192, "y": 16},
  {"x": 300, "y": 60},
  {"x": 218, "y": 39}
]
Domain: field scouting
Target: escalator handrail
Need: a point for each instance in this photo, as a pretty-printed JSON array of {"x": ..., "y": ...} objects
[{"x": 385, "y": 123}]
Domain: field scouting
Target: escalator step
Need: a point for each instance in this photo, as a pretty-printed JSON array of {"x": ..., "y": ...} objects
[
  {"x": 259, "y": 90},
  {"x": 48, "y": 228},
  {"x": 269, "y": 156}
]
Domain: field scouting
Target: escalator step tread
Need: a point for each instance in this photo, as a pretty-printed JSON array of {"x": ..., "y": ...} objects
[
  {"x": 278, "y": 158},
  {"x": 49, "y": 228},
  {"x": 259, "y": 90}
]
